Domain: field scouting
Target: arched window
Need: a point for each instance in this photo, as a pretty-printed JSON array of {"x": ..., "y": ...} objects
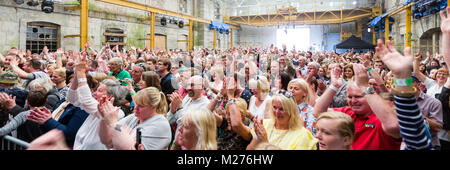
[{"x": 40, "y": 34}]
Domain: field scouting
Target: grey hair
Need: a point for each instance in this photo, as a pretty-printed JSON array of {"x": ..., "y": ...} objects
[
  {"x": 117, "y": 60},
  {"x": 115, "y": 88},
  {"x": 41, "y": 82},
  {"x": 315, "y": 64}
]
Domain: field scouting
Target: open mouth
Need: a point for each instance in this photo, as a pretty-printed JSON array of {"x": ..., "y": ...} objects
[{"x": 322, "y": 144}]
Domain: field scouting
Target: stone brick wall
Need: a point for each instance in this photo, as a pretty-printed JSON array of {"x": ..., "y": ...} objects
[{"x": 14, "y": 19}]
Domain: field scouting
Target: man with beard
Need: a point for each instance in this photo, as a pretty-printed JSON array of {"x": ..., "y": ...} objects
[{"x": 194, "y": 99}]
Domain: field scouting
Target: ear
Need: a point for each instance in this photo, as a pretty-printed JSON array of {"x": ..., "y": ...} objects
[{"x": 347, "y": 141}]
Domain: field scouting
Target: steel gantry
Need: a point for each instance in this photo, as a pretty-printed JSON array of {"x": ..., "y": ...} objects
[
  {"x": 291, "y": 16},
  {"x": 408, "y": 23},
  {"x": 153, "y": 10}
]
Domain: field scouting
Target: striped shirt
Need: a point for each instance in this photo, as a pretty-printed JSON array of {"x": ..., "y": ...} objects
[{"x": 413, "y": 129}]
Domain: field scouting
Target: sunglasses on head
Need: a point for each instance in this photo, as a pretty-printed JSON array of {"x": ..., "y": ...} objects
[
  {"x": 285, "y": 93},
  {"x": 142, "y": 66}
]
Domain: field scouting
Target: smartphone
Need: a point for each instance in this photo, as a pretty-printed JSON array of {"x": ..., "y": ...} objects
[{"x": 138, "y": 138}]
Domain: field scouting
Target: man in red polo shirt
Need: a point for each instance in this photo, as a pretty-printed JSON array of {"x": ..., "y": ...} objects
[{"x": 376, "y": 125}]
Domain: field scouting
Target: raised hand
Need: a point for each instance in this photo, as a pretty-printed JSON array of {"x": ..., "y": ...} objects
[
  {"x": 129, "y": 86},
  {"x": 418, "y": 55},
  {"x": 8, "y": 100},
  {"x": 445, "y": 28},
  {"x": 445, "y": 22},
  {"x": 14, "y": 62},
  {"x": 80, "y": 63},
  {"x": 429, "y": 55},
  {"x": 335, "y": 78},
  {"x": 59, "y": 51},
  {"x": 361, "y": 76},
  {"x": 39, "y": 116},
  {"x": 401, "y": 66}
]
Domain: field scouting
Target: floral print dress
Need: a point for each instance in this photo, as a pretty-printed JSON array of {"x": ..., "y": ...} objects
[{"x": 308, "y": 118}]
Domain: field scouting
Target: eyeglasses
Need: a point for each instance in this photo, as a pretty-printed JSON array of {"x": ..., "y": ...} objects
[{"x": 285, "y": 93}]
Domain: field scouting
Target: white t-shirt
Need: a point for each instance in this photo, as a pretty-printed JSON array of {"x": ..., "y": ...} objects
[
  {"x": 258, "y": 111},
  {"x": 87, "y": 137},
  {"x": 432, "y": 87}
]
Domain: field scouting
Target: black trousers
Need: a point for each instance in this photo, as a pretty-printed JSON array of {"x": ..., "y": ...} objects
[{"x": 445, "y": 146}]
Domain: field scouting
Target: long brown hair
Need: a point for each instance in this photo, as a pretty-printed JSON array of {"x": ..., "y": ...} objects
[{"x": 151, "y": 79}]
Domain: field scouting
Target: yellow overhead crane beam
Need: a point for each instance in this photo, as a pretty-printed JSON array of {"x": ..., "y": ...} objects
[
  {"x": 83, "y": 23},
  {"x": 408, "y": 9},
  {"x": 84, "y": 19},
  {"x": 310, "y": 18}
]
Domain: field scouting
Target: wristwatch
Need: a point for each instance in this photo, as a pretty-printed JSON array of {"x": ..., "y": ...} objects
[{"x": 369, "y": 90}]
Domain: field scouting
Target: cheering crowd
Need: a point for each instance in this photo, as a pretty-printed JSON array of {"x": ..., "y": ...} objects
[{"x": 233, "y": 99}]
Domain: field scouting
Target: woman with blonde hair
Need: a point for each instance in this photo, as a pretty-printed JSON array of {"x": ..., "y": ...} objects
[
  {"x": 148, "y": 119},
  {"x": 198, "y": 131},
  {"x": 217, "y": 75},
  {"x": 285, "y": 129},
  {"x": 258, "y": 102},
  {"x": 335, "y": 131},
  {"x": 303, "y": 96},
  {"x": 58, "y": 77}
]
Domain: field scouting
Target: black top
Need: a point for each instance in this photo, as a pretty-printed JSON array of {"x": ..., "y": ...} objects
[{"x": 444, "y": 98}]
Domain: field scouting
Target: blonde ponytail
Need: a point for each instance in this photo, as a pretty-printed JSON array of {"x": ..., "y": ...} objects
[{"x": 162, "y": 106}]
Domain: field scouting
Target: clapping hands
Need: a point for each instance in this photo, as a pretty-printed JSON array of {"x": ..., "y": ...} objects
[
  {"x": 107, "y": 110},
  {"x": 260, "y": 130}
]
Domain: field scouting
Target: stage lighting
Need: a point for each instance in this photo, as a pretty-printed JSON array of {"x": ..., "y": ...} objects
[
  {"x": 163, "y": 21},
  {"x": 19, "y": 2},
  {"x": 180, "y": 24},
  {"x": 173, "y": 21},
  {"x": 47, "y": 6},
  {"x": 33, "y": 3}
]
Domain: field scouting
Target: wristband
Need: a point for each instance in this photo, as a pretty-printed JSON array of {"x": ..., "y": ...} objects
[
  {"x": 370, "y": 69},
  {"x": 82, "y": 80},
  {"x": 231, "y": 101},
  {"x": 58, "y": 55},
  {"x": 132, "y": 94},
  {"x": 332, "y": 87},
  {"x": 403, "y": 82}
]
